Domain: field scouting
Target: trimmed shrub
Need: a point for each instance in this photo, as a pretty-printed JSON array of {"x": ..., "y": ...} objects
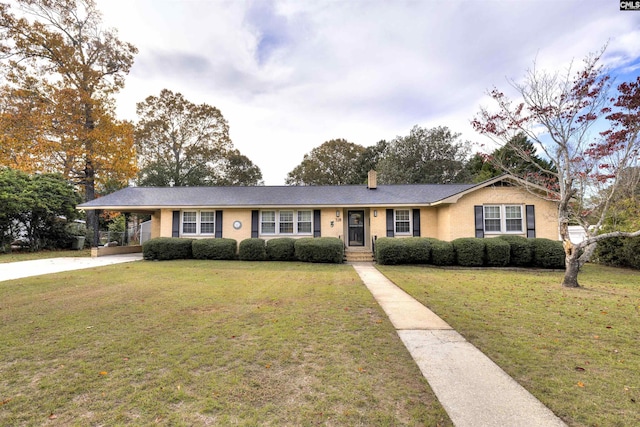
[
  {"x": 631, "y": 252},
  {"x": 498, "y": 252},
  {"x": 418, "y": 250},
  {"x": 548, "y": 253},
  {"x": 281, "y": 249},
  {"x": 391, "y": 251},
  {"x": 252, "y": 250},
  {"x": 611, "y": 252},
  {"x": 166, "y": 248},
  {"x": 469, "y": 251},
  {"x": 521, "y": 253},
  {"x": 321, "y": 249},
  {"x": 214, "y": 249},
  {"x": 442, "y": 253}
]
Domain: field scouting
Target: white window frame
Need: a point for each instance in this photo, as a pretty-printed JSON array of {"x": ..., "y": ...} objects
[
  {"x": 212, "y": 222},
  {"x": 397, "y": 221},
  {"x": 183, "y": 223},
  {"x": 288, "y": 218},
  {"x": 486, "y": 217},
  {"x": 300, "y": 220},
  {"x": 198, "y": 222},
  {"x": 270, "y": 221},
  {"x": 295, "y": 221},
  {"x": 502, "y": 210},
  {"x": 521, "y": 219}
]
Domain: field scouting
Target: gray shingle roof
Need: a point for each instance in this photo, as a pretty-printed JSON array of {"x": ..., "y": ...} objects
[{"x": 265, "y": 196}]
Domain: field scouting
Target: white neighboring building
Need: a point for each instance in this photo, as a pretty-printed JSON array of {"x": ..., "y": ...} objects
[{"x": 576, "y": 234}]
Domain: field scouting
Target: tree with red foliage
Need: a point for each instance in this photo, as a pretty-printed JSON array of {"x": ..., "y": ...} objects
[{"x": 557, "y": 112}]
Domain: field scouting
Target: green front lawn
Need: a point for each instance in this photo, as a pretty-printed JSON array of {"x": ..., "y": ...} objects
[
  {"x": 205, "y": 343},
  {"x": 577, "y": 350}
]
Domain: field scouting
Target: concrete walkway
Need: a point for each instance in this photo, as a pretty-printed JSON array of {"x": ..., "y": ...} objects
[
  {"x": 21, "y": 269},
  {"x": 472, "y": 389}
]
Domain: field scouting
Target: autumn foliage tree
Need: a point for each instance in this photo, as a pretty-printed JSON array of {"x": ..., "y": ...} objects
[
  {"x": 60, "y": 71},
  {"x": 557, "y": 112}
]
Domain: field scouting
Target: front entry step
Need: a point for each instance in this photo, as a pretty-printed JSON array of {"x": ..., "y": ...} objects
[{"x": 358, "y": 256}]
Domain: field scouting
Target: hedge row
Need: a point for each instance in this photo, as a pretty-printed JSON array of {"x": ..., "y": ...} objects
[
  {"x": 619, "y": 252},
  {"x": 323, "y": 249},
  {"x": 471, "y": 252}
]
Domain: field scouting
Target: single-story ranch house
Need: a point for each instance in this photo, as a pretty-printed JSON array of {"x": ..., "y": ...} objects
[{"x": 357, "y": 214}]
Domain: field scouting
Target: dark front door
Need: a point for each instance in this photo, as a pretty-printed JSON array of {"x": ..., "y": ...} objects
[{"x": 356, "y": 228}]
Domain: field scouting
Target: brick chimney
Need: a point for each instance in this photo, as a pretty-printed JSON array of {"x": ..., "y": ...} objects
[{"x": 372, "y": 180}]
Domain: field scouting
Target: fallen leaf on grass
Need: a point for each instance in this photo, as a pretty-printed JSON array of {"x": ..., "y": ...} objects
[
  {"x": 4, "y": 402},
  {"x": 52, "y": 416},
  {"x": 103, "y": 373},
  {"x": 580, "y": 369},
  {"x": 580, "y": 384}
]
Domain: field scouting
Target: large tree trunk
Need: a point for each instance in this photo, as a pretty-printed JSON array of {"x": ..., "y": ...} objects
[
  {"x": 572, "y": 268},
  {"x": 93, "y": 222}
]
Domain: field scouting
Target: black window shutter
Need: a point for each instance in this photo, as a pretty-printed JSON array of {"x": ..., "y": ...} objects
[
  {"x": 479, "y": 213},
  {"x": 531, "y": 221},
  {"x": 416, "y": 223},
  {"x": 255, "y": 223},
  {"x": 316, "y": 223},
  {"x": 218, "y": 224},
  {"x": 175, "y": 226},
  {"x": 390, "y": 227}
]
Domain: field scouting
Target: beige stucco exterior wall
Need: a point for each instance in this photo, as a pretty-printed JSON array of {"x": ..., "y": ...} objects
[
  {"x": 443, "y": 227},
  {"x": 166, "y": 222},
  {"x": 229, "y": 216},
  {"x": 327, "y": 216},
  {"x": 155, "y": 224},
  {"x": 378, "y": 223},
  {"x": 458, "y": 220},
  {"x": 429, "y": 222}
]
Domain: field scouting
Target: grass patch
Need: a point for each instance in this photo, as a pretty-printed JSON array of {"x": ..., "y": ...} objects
[
  {"x": 575, "y": 349},
  {"x": 16, "y": 256},
  {"x": 205, "y": 343}
]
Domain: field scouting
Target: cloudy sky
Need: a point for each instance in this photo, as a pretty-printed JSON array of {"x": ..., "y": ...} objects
[{"x": 290, "y": 75}]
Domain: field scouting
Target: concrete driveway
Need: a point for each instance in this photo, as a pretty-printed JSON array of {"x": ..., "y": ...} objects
[{"x": 21, "y": 269}]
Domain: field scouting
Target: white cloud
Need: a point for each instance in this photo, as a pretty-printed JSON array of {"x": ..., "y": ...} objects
[{"x": 289, "y": 75}]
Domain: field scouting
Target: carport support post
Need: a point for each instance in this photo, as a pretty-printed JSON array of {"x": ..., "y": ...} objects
[
  {"x": 125, "y": 239},
  {"x": 93, "y": 222}
]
